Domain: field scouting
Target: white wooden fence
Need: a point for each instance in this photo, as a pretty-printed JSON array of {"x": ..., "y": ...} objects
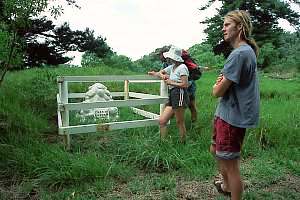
[{"x": 64, "y": 106}]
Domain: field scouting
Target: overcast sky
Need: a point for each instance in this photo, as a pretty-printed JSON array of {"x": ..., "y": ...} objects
[{"x": 137, "y": 27}]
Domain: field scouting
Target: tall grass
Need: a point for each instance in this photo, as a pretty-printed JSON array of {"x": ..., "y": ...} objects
[{"x": 31, "y": 150}]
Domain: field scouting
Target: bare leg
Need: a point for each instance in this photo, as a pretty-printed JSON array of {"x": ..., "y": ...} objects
[
  {"x": 220, "y": 176},
  {"x": 230, "y": 170},
  {"x": 179, "y": 114},
  {"x": 163, "y": 120},
  {"x": 193, "y": 109}
]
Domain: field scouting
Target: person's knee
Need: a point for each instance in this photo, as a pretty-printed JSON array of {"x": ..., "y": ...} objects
[
  {"x": 179, "y": 122},
  {"x": 162, "y": 122},
  {"x": 192, "y": 106}
]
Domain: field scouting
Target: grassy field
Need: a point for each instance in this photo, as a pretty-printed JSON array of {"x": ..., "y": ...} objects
[{"x": 134, "y": 163}]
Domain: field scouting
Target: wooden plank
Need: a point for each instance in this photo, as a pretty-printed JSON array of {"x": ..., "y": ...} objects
[
  {"x": 59, "y": 90},
  {"x": 145, "y": 81},
  {"x": 143, "y": 95},
  {"x": 163, "y": 93},
  {"x": 58, "y": 99},
  {"x": 59, "y": 121},
  {"x": 114, "y": 103},
  {"x": 81, "y": 95},
  {"x": 119, "y": 94},
  {"x": 107, "y": 78},
  {"x": 65, "y": 112},
  {"x": 126, "y": 89},
  {"x": 145, "y": 113},
  {"x": 76, "y": 95},
  {"x": 90, "y": 128}
]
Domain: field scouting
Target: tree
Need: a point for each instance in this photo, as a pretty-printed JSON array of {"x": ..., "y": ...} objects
[
  {"x": 39, "y": 42},
  {"x": 264, "y": 14},
  {"x": 57, "y": 41},
  {"x": 15, "y": 15}
]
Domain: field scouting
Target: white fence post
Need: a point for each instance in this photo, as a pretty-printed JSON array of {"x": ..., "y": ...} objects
[
  {"x": 163, "y": 93},
  {"x": 65, "y": 112},
  {"x": 126, "y": 89}
]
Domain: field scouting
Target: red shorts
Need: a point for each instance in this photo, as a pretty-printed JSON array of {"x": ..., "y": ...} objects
[{"x": 227, "y": 140}]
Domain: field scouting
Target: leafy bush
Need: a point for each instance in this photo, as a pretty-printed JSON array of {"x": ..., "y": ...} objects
[
  {"x": 267, "y": 55},
  {"x": 5, "y": 48},
  {"x": 204, "y": 56},
  {"x": 120, "y": 62},
  {"x": 91, "y": 60},
  {"x": 149, "y": 62}
]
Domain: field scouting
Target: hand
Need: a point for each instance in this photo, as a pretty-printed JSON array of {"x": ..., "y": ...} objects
[
  {"x": 219, "y": 79},
  {"x": 152, "y": 73},
  {"x": 205, "y": 68},
  {"x": 164, "y": 76},
  {"x": 168, "y": 81}
]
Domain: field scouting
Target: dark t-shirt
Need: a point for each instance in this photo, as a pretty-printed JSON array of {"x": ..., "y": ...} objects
[{"x": 240, "y": 104}]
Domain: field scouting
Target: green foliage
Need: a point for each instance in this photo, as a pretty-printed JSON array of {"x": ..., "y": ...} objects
[
  {"x": 288, "y": 51},
  {"x": 148, "y": 63},
  {"x": 6, "y": 39},
  {"x": 91, "y": 60},
  {"x": 16, "y": 12},
  {"x": 204, "y": 56},
  {"x": 267, "y": 55},
  {"x": 282, "y": 60},
  {"x": 120, "y": 62}
]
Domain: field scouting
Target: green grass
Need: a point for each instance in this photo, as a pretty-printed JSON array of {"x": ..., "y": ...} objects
[{"x": 134, "y": 163}]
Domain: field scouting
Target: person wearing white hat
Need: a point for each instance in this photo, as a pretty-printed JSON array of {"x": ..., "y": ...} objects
[
  {"x": 176, "y": 77},
  {"x": 192, "y": 84}
]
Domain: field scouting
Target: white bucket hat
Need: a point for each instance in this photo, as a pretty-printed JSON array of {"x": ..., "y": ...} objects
[{"x": 174, "y": 53}]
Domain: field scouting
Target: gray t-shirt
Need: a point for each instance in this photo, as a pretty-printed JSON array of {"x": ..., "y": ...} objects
[
  {"x": 240, "y": 104},
  {"x": 175, "y": 75}
]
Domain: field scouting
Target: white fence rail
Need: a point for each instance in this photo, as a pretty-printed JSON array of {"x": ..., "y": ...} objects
[{"x": 64, "y": 106}]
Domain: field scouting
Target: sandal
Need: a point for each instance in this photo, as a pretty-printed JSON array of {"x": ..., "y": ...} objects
[{"x": 219, "y": 187}]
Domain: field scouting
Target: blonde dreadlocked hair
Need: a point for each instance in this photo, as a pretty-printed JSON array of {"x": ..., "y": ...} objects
[{"x": 241, "y": 17}]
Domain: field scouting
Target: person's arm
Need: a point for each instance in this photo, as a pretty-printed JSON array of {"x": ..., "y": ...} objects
[
  {"x": 182, "y": 84},
  {"x": 221, "y": 86},
  {"x": 161, "y": 74}
]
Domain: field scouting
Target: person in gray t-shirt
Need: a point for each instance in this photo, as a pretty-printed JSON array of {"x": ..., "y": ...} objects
[{"x": 238, "y": 108}]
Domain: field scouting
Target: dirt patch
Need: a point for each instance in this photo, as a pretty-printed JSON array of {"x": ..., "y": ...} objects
[
  {"x": 11, "y": 189},
  {"x": 196, "y": 190},
  {"x": 185, "y": 190},
  {"x": 290, "y": 182},
  {"x": 201, "y": 190}
]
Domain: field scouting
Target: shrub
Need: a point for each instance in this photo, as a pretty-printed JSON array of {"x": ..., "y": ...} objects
[
  {"x": 204, "y": 56},
  {"x": 90, "y": 60}
]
